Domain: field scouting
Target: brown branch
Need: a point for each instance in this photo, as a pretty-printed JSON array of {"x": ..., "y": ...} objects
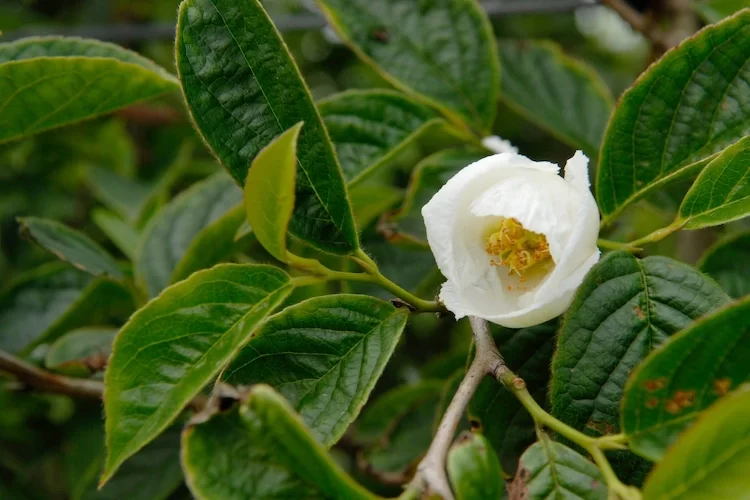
[
  {"x": 638, "y": 22},
  {"x": 41, "y": 380}
]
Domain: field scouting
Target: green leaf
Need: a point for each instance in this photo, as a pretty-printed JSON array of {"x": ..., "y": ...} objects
[
  {"x": 269, "y": 192},
  {"x": 710, "y": 459},
  {"x": 371, "y": 200},
  {"x": 167, "y": 237},
  {"x": 117, "y": 230},
  {"x": 726, "y": 262},
  {"x": 54, "y": 299},
  {"x": 548, "y": 469},
  {"x": 71, "y": 246},
  {"x": 713, "y": 11},
  {"x": 688, "y": 106},
  {"x": 624, "y": 310},
  {"x": 324, "y": 355},
  {"x": 427, "y": 178},
  {"x": 51, "y": 82},
  {"x": 126, "y": 197},
  {"x": 76, "y": 352},
  {"x": 667, "y": 392},
  {"x": 558, "y": 93},
  {"x": 721, "y": 193},
  {"x": 442, "y": 52},
  {"x": 171, "y": 348},
  {"x": 502, "y": 419},
  {"x": 243, "y": 89},
  {"x": 474, "y": 470},
  {"x": 266, "y": 451},
  {"x": 370, "y": 127}
]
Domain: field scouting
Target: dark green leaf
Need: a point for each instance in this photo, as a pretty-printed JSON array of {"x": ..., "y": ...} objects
[
  {"x": 121, "y": 234},
  {"x": 503, "y": 420},
  {"x": 167, "y": 237},
  {"x": 127, "y": 197},
  {"x": 266, "y": 451},
  {"x": 50, "y": 82},
  {"x": 726, "y": 262},
  {"x": 691, "y": 104},
  {"x": 269, "y": 192},
  {"x": 624, "y": 309},
  {"x": 324, "y": 355},
  {"x": 474, "y": 470},
  {"x": 548, "y": 469},
  {"x": 558, "y": 93},
  {"x": 171, "y": 348},
  {"x": 370, "y": 127},
  {"x": 442, "y": 51},
  {"x": 721, "y": 193},
  {"x": 428, "y": 177},
  {"x": 713, "y": 11},
  {"x": 53, "y": 299},
  {"x": 243, "y": 89},
  {"x": 710, "y": 459},
  {"x": 71, "y": 246},
  {"x": 689, "y": 373},
  {"x": 81, "y": 351}
]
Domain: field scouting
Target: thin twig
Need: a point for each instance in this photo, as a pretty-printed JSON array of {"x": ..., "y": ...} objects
[
  {"x": 41, "y": 380},
  {"x": 638, "y": 22}
]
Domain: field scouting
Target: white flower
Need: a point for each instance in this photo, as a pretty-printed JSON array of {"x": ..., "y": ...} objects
[
  {"x": 497, "y": 144},
  {"x": 513, "y": 238}
]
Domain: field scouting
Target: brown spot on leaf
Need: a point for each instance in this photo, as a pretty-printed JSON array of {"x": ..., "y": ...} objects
[
  {"x": 518, "y": 489},
  {"x": 475, "y": 425},
  {"x": 601, "y": 427},
  {"x": 380, "y": 34},
  {"x": 639, "y": 312},
  {"x": 673, "y": 407},
  {"x": 652, "y": 402},
  {"x": 684, "y": 398},
  {"x": 722, "y": 386},
  {"x": 654, "y": 385}
]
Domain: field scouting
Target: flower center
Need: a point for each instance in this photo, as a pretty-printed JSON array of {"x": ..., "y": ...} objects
[{"x": 523, "y": 252}]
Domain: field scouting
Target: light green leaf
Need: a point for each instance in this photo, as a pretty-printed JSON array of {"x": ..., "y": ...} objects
[
  {"x": 370, "y": 127},
  {"x": 324, "y": 355},
  {"x": 474, "y": 470},
  {"x": 558, "y": 93},
  {"x": 51, "y": 82},
  {"x": 726, "y": 262},
  {"x": 371, "y": 200},
  {"x": 243, "y": 89},
  {"x": 266, "y": 450},
  {"x": 269, "y": 192},
  {"x": 710, "y": 459},
  {"x": 175, "y": 345},
  {"x": 713, "y": 11},
  {"x": 168, "y": 235},
  {"x": 54, "y": 299},
  {"x": 688, "y": 106},
  {"x": 548, "y": 469},
  {"x": 624, "y": 310},
  {"x": 117, "y": 230},
  {"x": 81, "y": 351},
  {"x": 721, "y": 193},
  {"x": 71, "y": 246},
  {"x": 442, "y": 52},
  {"x": 667, "y": 392}
]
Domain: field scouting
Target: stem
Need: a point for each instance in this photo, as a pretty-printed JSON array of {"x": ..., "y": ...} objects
[
  {"x": 637, "y": 22},
  {"x": 660, "y": 234},
  {"x": 617, "y": 245},
  {"x": 41, "y": 380}
]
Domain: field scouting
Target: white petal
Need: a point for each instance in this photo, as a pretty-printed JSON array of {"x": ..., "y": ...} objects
[{"x": 497, "y": 144}]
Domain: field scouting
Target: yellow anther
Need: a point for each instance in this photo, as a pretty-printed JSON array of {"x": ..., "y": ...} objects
[{"x": 515, "y": 247}]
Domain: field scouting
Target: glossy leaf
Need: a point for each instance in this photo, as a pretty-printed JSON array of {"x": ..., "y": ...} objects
[
  {"x": 175, "y": 345},
  {"x": 266, "y": 450},
  {"x": 167, "y": 237},
  {"x": 474, "y": 470},
  {"x": 71, "y": 246},
  {"x": 81, "y": 351},
  {"x": 243, "y": 89},
  {"x": 624, "y": 310},
  {"x": 721, "y": 193},
  {"x": 687, "y": 107},
  {"x": 710, "y": 459},
  {"x": 324, "y": 355},
  {"x": 549, "y": 469},
  {"x": 269, "y": 192},
  {"x": 427, "y": 178},
  {"x": 713, "y": 11},
  {"x": 503, "y": 421},
  {"x": 442, "y": 52},
  {"x": 667, "y": 392},
  {"x": 54, "y": 299},
  {"x": 116, "y": 230},
  {"x": 370, "y": 127},
  {"x": 726, "y": 262},
  {"x": 51, "y": 82},
  {"x": 558, "y": 93}
]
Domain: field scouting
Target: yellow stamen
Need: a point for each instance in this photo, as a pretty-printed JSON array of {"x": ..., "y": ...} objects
[{"x": 515, "y": 247}]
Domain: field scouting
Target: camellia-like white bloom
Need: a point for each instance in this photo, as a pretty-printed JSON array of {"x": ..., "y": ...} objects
[{"x": 513, "y": 238}]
